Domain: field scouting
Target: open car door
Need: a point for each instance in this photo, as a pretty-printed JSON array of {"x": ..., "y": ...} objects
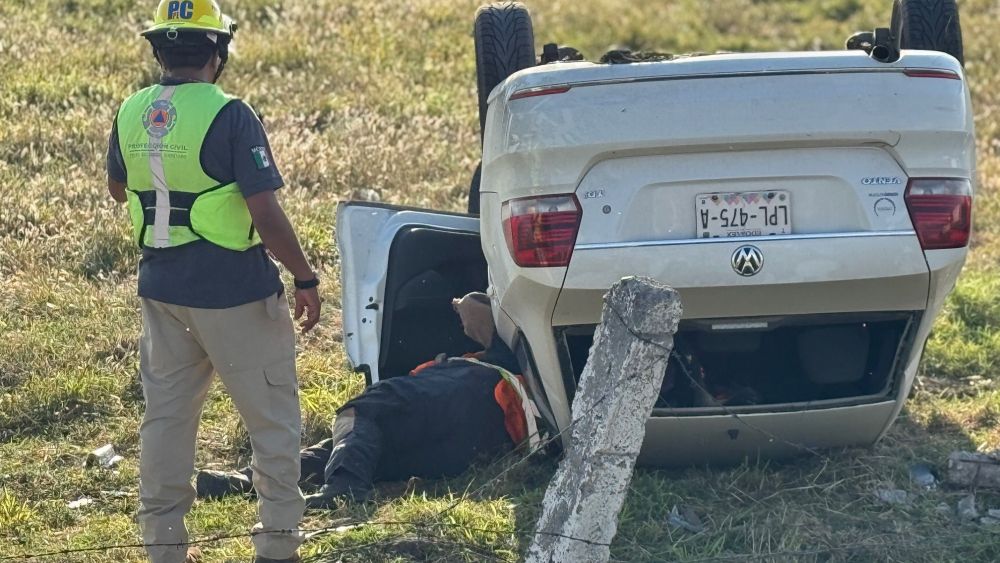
[{"x": 400, "y": 269}]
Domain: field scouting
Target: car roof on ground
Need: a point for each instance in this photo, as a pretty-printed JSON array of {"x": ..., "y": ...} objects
[{"x": 576, "y": 73}]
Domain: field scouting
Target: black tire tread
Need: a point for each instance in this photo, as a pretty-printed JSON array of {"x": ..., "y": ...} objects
[
  {"x": 931, "y": 25},
  {"x": 505, "y": 44}
]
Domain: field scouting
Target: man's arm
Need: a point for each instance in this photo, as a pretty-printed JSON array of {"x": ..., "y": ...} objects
[
  {"x": 247, "y": 153},
  {"x": 279, "y": 237},
  {"x": 116, "y": 167}
]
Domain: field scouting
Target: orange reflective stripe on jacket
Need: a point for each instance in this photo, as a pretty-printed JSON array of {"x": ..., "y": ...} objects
[
  {"x": 422, "y": 367},
  {"x": 513, "y": 413},
  {"x": 441, "y": 359},
  {"x": 528, "y": 412}
]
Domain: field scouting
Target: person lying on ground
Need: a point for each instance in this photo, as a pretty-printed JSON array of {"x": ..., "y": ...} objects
[{"x": 435, "y": 424}]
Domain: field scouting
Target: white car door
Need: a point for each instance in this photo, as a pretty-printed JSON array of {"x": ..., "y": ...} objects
[{"x": 422, "y": 258}]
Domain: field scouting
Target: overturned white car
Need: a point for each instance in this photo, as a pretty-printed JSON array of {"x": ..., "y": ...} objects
[{"x": 813, "y": 210}]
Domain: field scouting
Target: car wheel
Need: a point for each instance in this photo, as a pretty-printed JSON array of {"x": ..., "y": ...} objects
[
  {"x": 474, "y": 190},
  {"x": 930, "y": 25},
  {"x": 505, "y": 44}
]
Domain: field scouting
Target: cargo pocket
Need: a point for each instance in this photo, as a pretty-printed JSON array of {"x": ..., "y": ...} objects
[
  {"x": 283, "y": 395},
  {"x": 281, "y": 373}
]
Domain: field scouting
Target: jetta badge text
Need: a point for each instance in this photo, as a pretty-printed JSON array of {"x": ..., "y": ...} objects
[
  {"x": 881, "y": 181},
  {"x": 748, "y": 260}
]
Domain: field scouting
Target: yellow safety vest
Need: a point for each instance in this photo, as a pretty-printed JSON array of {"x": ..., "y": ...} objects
[{"x": 172, "y": 201}]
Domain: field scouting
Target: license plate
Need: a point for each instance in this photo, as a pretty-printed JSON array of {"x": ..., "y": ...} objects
[{"x": 744, "y": 214}]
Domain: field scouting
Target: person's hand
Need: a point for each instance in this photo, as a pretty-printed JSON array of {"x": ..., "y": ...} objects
[{"x": 307, "y": 302}]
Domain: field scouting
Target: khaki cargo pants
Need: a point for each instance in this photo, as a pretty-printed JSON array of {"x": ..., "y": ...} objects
[{"x": 252, "y": 348}]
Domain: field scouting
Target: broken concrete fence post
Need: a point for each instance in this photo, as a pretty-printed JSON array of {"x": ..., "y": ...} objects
[
  {"x": 613, "y": 400},
  {"x": 973, "y": 469}
]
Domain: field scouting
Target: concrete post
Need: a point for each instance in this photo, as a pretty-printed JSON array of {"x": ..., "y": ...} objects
[
  {"x": 973, "y": 469},
  {"x": 615, "y": 396}
]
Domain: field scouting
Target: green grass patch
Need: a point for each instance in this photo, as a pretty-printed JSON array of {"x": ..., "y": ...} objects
[
  {"x": 17, "y": 518},
  {"x": 966, "y": 339}
]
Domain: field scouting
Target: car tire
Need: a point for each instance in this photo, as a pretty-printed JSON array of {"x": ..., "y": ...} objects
[
  {"x": 931, "y": 25},
  {"x": 474, "y": 190},
  {"x": 505, "y": 44}
]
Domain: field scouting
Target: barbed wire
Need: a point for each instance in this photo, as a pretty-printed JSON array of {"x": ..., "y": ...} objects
[
  {"x": 438, "y": 522},
  {"x": 724, "y": 408},
  {"x": 932, "y": 544},
  {"x": 739, "y": 418},
  {"x": 340, "y": 526},
  {"x": 312, "y": 532},
  {"x": 936, "y": 543},
  {"x": 317, "y": 531},
  {"x": 558, "y": 435}
]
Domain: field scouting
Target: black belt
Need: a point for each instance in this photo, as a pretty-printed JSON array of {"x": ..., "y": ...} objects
[
  {"x": 180, "y": 207},
  {"x": 178, "y": 217},
  {"x": 178, "y": 200}
]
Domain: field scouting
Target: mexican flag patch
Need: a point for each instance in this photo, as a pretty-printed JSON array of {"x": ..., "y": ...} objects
[{"x": 260, "y": 157}]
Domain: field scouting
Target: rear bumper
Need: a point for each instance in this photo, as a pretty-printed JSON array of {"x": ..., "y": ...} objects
[
  {"x": 686, "y": 440},
  {"x": 838, "y": 275}
]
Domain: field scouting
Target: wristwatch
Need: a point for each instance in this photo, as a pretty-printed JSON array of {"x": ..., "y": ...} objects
[{"x": 307, "y": 284}]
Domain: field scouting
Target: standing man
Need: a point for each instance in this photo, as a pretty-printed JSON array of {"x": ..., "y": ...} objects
[{"x": 195, "y": 168}]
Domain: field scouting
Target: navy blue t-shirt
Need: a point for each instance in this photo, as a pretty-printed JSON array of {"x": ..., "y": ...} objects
[{"x": 201, "y": 274}]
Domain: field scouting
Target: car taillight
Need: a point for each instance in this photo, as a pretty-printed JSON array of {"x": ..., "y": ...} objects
[
  {"x": 931, "y": 73},
  {"x": 941, "y": 210},
  {"x": 541, "y": 231},
  {"x": 535, "y": 92}
]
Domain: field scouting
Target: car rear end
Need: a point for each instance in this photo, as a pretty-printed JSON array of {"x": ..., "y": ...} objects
[{"x": 813, "y": 210}]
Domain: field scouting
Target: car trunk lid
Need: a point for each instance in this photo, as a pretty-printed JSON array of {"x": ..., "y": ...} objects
[{"x": 715, "y": 109}]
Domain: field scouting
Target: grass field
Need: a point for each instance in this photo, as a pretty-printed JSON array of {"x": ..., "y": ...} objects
[{"x": 374, "y": 95}]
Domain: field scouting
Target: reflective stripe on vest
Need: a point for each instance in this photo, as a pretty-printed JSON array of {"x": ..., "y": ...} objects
[
  {"x": 531, "y": 414},
  {"x": 161, "y": 221},
  {"x": 172, "y": 200}
]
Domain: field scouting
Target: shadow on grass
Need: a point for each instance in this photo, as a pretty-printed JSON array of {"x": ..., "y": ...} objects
[
  {"x": 58, "y": 417},
  {"x": 810, "y": 508},
  {"x": 57, "y": 405}
]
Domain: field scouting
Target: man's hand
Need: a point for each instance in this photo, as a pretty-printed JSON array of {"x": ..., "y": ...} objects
[
  {"x": 307, "y": 301},
  {"x": 117, "y": 190}
]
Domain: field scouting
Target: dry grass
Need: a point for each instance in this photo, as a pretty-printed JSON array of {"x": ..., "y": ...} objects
[{"x": 363, "y": 96}]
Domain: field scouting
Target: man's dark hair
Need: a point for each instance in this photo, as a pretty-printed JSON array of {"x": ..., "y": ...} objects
[{"x": 185, "y": 51}]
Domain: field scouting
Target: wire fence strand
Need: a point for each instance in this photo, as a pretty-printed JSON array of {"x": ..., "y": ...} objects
[
  {"x": 510, "y": 461},
  {"x": 940, "y": 542}
]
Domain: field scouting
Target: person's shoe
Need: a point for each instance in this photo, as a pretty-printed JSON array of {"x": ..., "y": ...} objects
[
  {"x": 330, "y": 495},
  {"x": 217, "y": 484},
  {"x": 320, "y": 501},
  {"x": 293, "y": 559},
  {"x": 193, "y": 555}
]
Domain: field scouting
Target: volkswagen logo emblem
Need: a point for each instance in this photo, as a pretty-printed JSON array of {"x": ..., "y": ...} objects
[{"x": 748, "y": 260}]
